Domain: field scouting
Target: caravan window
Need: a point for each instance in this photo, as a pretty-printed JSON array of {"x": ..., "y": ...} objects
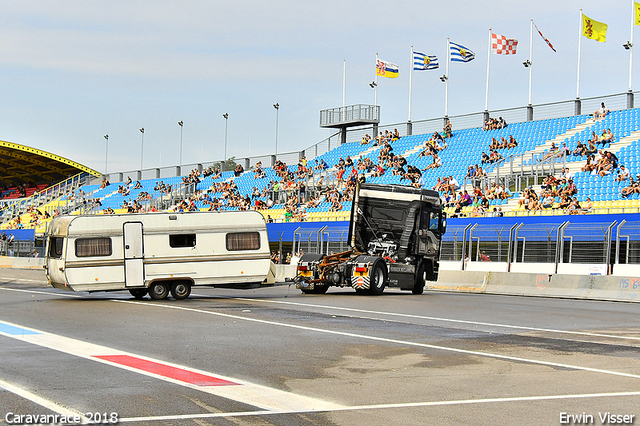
[
  {"x": 182, "y": 240},
  {"x": 243, "y": 241},
  {"x": 55, "y": 247},
  {"x": 88, "y": 247}
]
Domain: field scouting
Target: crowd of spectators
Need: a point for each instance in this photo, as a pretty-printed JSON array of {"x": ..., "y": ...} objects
[{"x": 493, "y": 124}]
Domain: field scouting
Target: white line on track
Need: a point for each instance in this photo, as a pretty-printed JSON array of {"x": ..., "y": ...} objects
[
  {"x": 381, "y": 339},
  {"x": 48, "y": 293},
  {"x": 488, "y": 324},
  {"x": 387, "y": 340},
  {"x": 43, "y": 402},
  {"x": 393, "y": 314},
  {"x": 264, "y": 397},
  {"x": 384, "y": 406}
]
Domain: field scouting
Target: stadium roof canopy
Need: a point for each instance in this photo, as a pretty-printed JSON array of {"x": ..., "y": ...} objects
[{"x": 22, "y": 164}]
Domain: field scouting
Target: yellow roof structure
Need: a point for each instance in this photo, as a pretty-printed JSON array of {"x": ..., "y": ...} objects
[{"x": 22, "y": 164}]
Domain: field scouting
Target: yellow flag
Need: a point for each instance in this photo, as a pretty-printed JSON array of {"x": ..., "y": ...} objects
[
  {"x": 593, "y": 29},
  {"x": 637, "y": 9}
]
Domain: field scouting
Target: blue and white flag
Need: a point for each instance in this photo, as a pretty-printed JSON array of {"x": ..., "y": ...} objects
[
  {"x": 423, "y": 62},
  {"x": 459, "y": 53}
]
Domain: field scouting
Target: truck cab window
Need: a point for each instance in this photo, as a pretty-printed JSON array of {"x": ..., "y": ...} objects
[
  {"x": 434, "y": 221},
  {"x": 182, "y": 240}
]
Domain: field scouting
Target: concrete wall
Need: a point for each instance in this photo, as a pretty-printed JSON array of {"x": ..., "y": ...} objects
[
  {"x": 598, "y": 287},
  {"x": 21, "y": 262}
]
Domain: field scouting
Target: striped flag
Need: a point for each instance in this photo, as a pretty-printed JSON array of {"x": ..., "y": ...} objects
[
  {"x": 423, "y": 62},
  {"x": 544, "y": 38},
  {"x": 500, "y": 45},
  {"x": 386, "y": 69},
  {"x": 459, "y": 53}
]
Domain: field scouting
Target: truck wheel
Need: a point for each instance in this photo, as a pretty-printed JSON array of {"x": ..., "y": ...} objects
[
  {"x": 378, "y": 277},
  {"x": 159, "y": 291},
  {"x": 180, "y": 290},
  {"x": 138, "y": 293},
  {"x": 418, "y": 280}
]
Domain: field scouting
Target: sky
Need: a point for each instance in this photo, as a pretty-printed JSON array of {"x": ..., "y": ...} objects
[{"x": 73, "y": 71}]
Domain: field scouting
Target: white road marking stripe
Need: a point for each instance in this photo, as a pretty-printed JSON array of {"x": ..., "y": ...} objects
[
  {"x": 387, "y": 340},
  {"x": 48, "y": 293},
  {"x": 249, "y": 393},
  {"x": 383, "y": 406},
  {"x": 517, "y": 327},
  {"x": 366, "y": 311},
  {"x": 43, "y": 402}
]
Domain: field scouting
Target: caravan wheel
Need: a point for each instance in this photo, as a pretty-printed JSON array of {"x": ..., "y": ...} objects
[
  {"x": 159, "y": 291},
  {"x": 180, "y": 290}
]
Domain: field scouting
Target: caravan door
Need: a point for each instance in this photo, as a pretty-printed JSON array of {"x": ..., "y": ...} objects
[{"x": 133, "y": 254}]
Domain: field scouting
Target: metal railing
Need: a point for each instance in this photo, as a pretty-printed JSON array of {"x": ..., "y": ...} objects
[
  {"x": 605, "y": 243},
  {"x": 567, "y": 108}
]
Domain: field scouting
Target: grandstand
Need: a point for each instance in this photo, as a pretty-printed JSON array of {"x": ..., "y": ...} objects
[{"x": 278, "y": 194}]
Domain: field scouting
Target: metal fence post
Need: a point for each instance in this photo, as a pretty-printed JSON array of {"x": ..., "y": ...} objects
[
  {"x": 618, "y": 241},
  {"x": 560, "y": 245},
  {"x": 464, "y": 245},
  {"x": 609, "y": 238}
]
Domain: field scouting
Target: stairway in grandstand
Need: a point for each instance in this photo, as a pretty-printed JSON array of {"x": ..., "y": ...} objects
[{"x": 525, "y": 158}]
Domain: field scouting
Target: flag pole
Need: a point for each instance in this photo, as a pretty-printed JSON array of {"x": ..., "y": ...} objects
[
  {"x": 633, "y": 23},
  {"x": 486, "y": 99},
  {"x": 410, "y": 77},
  {"x": 446, "y": 82},
  {"x": 579, "y": 49},
  {"x": 344, "y": 84},
  {"x": 376, "y": 88},
  {"x": 530, "y": 58}
]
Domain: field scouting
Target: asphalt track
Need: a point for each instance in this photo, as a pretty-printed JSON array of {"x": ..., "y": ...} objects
[{"x": 274, "y": 356}]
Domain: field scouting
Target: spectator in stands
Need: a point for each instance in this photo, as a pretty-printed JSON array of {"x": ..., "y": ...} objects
[
  {"x": 632, "y": 188},
  {"x": 138, "y": 185},
  {"x": 566, "y": 174},
  {"x": 548, "y": 202},
  {"x": 447, "y": 129},
  {"x": 437, "y": 162},
  {"x": 365, "y": 139},
  {"x": 590, "y": 165},
  {"x": 601, "y": 113},
  {"x": 553, "y": 150},
  {"x": 623, "y": 174},
  {"x": 580, "y": 150},
  {"x": 574, "y": 206},
  {"x": 396, "y": 135},
  {"x": 606, "y": 137},
  {"x": 238, "y": 171},
  {"x": 587, "y": 206},
  {"x": 512, "y": 142}
]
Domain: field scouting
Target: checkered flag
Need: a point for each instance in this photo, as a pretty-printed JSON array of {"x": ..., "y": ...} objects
[{"x": 501, "y": 45}]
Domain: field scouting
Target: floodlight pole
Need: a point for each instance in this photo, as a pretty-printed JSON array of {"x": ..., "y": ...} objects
[
  {"x": 226, "y": 122},
  {"x": 141, "y": 148},
  {"x": 180, "y": 123},
  {"x": 106, "y": 152}
]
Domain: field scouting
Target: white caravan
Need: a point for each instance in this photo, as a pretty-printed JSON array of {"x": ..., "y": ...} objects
[{"x": 158, "y": 253}]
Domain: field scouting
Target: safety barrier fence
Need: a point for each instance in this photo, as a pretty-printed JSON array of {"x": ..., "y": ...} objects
[{"x": 603, "y": 248}]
